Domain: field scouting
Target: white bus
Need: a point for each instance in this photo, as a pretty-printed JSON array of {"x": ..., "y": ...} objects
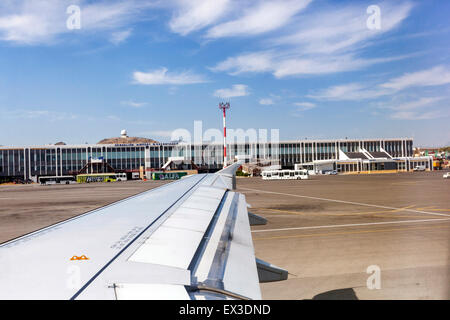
[
  {"x": 57, "y": 180},
  {"x": 285, "y": 175},
  {"x": 121, "y": 176}
]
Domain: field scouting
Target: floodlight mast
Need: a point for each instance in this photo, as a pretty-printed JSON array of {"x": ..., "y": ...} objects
[{"x": 224, "y": 106}]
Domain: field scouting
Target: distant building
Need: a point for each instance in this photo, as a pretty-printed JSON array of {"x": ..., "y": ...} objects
[
  {"x": 128, "y": 154},
  {"x": 364, "y": 161}
]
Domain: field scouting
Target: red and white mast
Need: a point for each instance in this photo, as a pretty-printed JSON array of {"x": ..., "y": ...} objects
[{"x": 224, "y": 107}]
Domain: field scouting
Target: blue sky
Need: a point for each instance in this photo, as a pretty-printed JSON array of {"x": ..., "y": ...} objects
[{"x": 310, "y": 68}]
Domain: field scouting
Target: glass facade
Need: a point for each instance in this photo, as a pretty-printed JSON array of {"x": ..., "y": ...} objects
[{"x": 65, "y": 160}]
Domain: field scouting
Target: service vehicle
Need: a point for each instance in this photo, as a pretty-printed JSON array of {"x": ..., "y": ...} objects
[
  {"x": 285, "y": 175},
  {"x": 101, "y": 177},
  {"x": 57, "y": 180}
]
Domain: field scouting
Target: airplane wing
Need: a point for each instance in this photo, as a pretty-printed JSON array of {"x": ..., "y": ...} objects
[{"x": 189, "y": 239}]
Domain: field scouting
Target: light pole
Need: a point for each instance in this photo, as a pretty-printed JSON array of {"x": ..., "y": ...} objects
[{"x": 224, "y": 107}]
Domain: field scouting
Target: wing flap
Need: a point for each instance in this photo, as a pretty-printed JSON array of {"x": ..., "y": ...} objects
[
  {"x": 175, "y": 242},
  {"x": 179, "y": 252}
]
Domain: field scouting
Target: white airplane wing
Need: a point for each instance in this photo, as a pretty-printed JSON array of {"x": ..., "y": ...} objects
[{"x": 189, "y": 239}]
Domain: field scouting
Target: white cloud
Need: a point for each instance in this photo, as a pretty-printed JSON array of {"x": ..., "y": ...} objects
[
  {"x": 414, "y": 115},
  {"x": 193, "y": 15},
  {"x": 120, "y": 36},
  {"x": 133, "y": 103},
  {"x": 30, "y": 22},
  {"x": 162, "y": 77},
  {"x": 350, "y": 91},
  {"x": 113, "y": 117},
  {"x": 343, "y": 29},
  {"x": 237, "y": 90},
  {"x": 263, "y": 17},
  {"x": 438, "y": 75},
  {"x": 287, "y": 63},
  {"x": 355, "y": 91},
  {"x": 330, "y": 40},
  {"x": 251, "y": 62},
  {"x": 415, "y": 109},
  {"x": 50, "y": 115},
  {"x": 44, "y": 115},
  {"x": 266, "y": 101},
  {"x": 416, "y": 104},
  {"x": 303, "y": 106},
  {"x": 318, "y": 65},
  {"x": 420, "y": 109}
]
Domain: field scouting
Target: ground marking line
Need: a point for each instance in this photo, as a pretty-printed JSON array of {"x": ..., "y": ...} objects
[
  {"x": 350, "y": 232},
  {"x": 406, "y": 183},
  {"x": 347, "y": 202},
  {"x": 287, "y": 211},
  {"x": 376, "y": 213},
  {"x": 397, "y": 216},
  {"x": 349, "y": 225}
]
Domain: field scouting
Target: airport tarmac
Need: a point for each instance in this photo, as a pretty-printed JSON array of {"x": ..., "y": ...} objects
[
  {"x": 329, "y": 230},
  {"x": 26, "y": 208},
  {"x": 326, "y": 231}
]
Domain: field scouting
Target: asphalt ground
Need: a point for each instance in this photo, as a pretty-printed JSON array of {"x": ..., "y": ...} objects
[
  {"x": 329, "y": 231},
  {"x": 326, "y": 231},
  {"x": 26, "y": 208}
]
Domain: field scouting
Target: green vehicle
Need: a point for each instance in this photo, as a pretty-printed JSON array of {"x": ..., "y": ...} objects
[{"x": 168, "y": 175}]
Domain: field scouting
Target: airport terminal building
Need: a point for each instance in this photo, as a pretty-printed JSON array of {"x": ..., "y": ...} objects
[{"x": 343, "y": 155}]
